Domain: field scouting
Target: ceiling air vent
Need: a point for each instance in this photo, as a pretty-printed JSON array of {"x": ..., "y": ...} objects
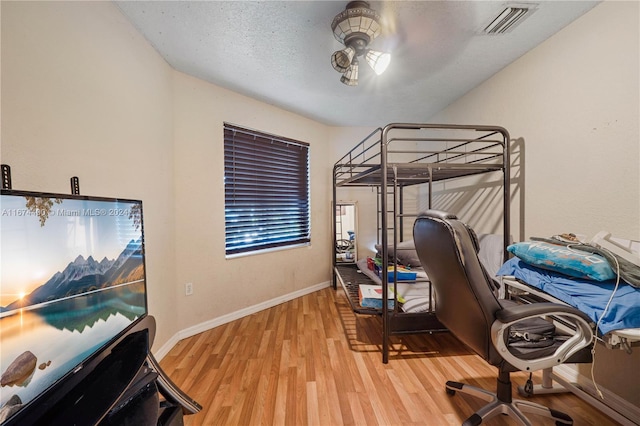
[{"x": 509, "y": 18}]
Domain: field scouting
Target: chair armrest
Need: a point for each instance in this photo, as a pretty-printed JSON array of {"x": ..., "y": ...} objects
[
  {"x": 519, "y": 312},
  {"x": 505, "y": 318}
]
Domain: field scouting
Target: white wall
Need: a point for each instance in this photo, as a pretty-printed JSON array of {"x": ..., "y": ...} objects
[
  {"x": 222, "y": 286},
  {"x": 573, "y": 104},
  {"x": 84, "y": 94}
]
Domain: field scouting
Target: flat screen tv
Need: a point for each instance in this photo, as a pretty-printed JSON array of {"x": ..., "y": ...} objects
[{"x": 72, "y": 283}]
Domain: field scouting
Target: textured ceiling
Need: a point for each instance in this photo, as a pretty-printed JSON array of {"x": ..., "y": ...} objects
[{"x": 279, "y": 51}]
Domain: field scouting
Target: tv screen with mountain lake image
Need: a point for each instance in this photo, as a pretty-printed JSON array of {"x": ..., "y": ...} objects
[{"x": 72, "y": 280}]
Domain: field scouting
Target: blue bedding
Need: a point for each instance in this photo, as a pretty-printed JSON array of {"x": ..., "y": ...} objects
[{"x": 589, "y": 296}]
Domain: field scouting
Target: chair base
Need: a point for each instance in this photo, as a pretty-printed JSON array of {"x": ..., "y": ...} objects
[{"x": 514, "y": 408}]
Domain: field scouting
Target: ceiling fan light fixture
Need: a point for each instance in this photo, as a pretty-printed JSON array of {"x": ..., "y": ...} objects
[
  {"x": 350, "y": 76},
  {"x": 378, "y": 61},
  {"x": 341, "y": 59},
  {"x": 356, "y": 27}
]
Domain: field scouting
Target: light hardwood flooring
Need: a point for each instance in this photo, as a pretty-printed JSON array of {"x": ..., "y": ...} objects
[{"x": 312, "y": 361}]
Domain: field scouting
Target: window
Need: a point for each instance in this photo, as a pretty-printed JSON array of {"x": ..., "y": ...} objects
[{"x": 266, "y": 191}]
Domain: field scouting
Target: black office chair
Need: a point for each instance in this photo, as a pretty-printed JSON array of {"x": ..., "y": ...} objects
[{"x": 507, "y": 335}]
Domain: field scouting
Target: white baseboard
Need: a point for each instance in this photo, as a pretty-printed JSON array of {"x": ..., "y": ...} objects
[
  {"x": 611, "y": 400},
  {"x": 224, "y": 319},
  {"x": 570, "y": 374}
]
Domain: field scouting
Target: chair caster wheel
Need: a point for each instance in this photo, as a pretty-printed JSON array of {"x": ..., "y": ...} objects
[
  {"x": 450, "y": 391},
  {"x": 528, "y": 388}
]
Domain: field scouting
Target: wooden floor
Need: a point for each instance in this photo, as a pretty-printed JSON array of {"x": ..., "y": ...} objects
[{"x": 312, "y": 361}]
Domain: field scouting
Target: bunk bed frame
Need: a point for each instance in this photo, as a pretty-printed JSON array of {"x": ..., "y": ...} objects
[{"x": 397, "y": 156}]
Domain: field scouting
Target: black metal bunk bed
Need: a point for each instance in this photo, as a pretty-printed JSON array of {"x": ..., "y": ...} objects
[{"x": 393, "y": 158}]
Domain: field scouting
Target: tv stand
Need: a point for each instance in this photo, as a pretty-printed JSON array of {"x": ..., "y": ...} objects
[
  {"x": 122, "y": 385},
  {"x": 172, "y": 393},
  {"x": 151, "y": 399}
]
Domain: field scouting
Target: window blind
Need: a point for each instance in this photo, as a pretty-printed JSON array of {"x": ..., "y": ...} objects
[{"x": 266, "y": 190}]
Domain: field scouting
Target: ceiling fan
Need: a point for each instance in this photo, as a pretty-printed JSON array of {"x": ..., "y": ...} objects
[{"x": 356, "y": 27}]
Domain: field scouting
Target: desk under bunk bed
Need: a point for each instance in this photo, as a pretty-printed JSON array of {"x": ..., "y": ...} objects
[{"x": 390, "y": 160}]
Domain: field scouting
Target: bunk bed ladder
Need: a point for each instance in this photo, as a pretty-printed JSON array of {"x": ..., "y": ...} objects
[{"x": 391, "y": 214}]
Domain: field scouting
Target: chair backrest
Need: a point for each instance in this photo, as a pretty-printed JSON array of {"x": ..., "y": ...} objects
[{"x": 465, "y": 303}]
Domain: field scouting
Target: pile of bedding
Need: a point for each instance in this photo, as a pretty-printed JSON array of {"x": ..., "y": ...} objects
[
  {"x": 413, "y": 288},
  {"x": 581, "y": 279}
]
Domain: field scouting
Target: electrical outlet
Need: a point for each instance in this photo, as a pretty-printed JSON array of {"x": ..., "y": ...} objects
[{"x": 188, "y": 289}]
